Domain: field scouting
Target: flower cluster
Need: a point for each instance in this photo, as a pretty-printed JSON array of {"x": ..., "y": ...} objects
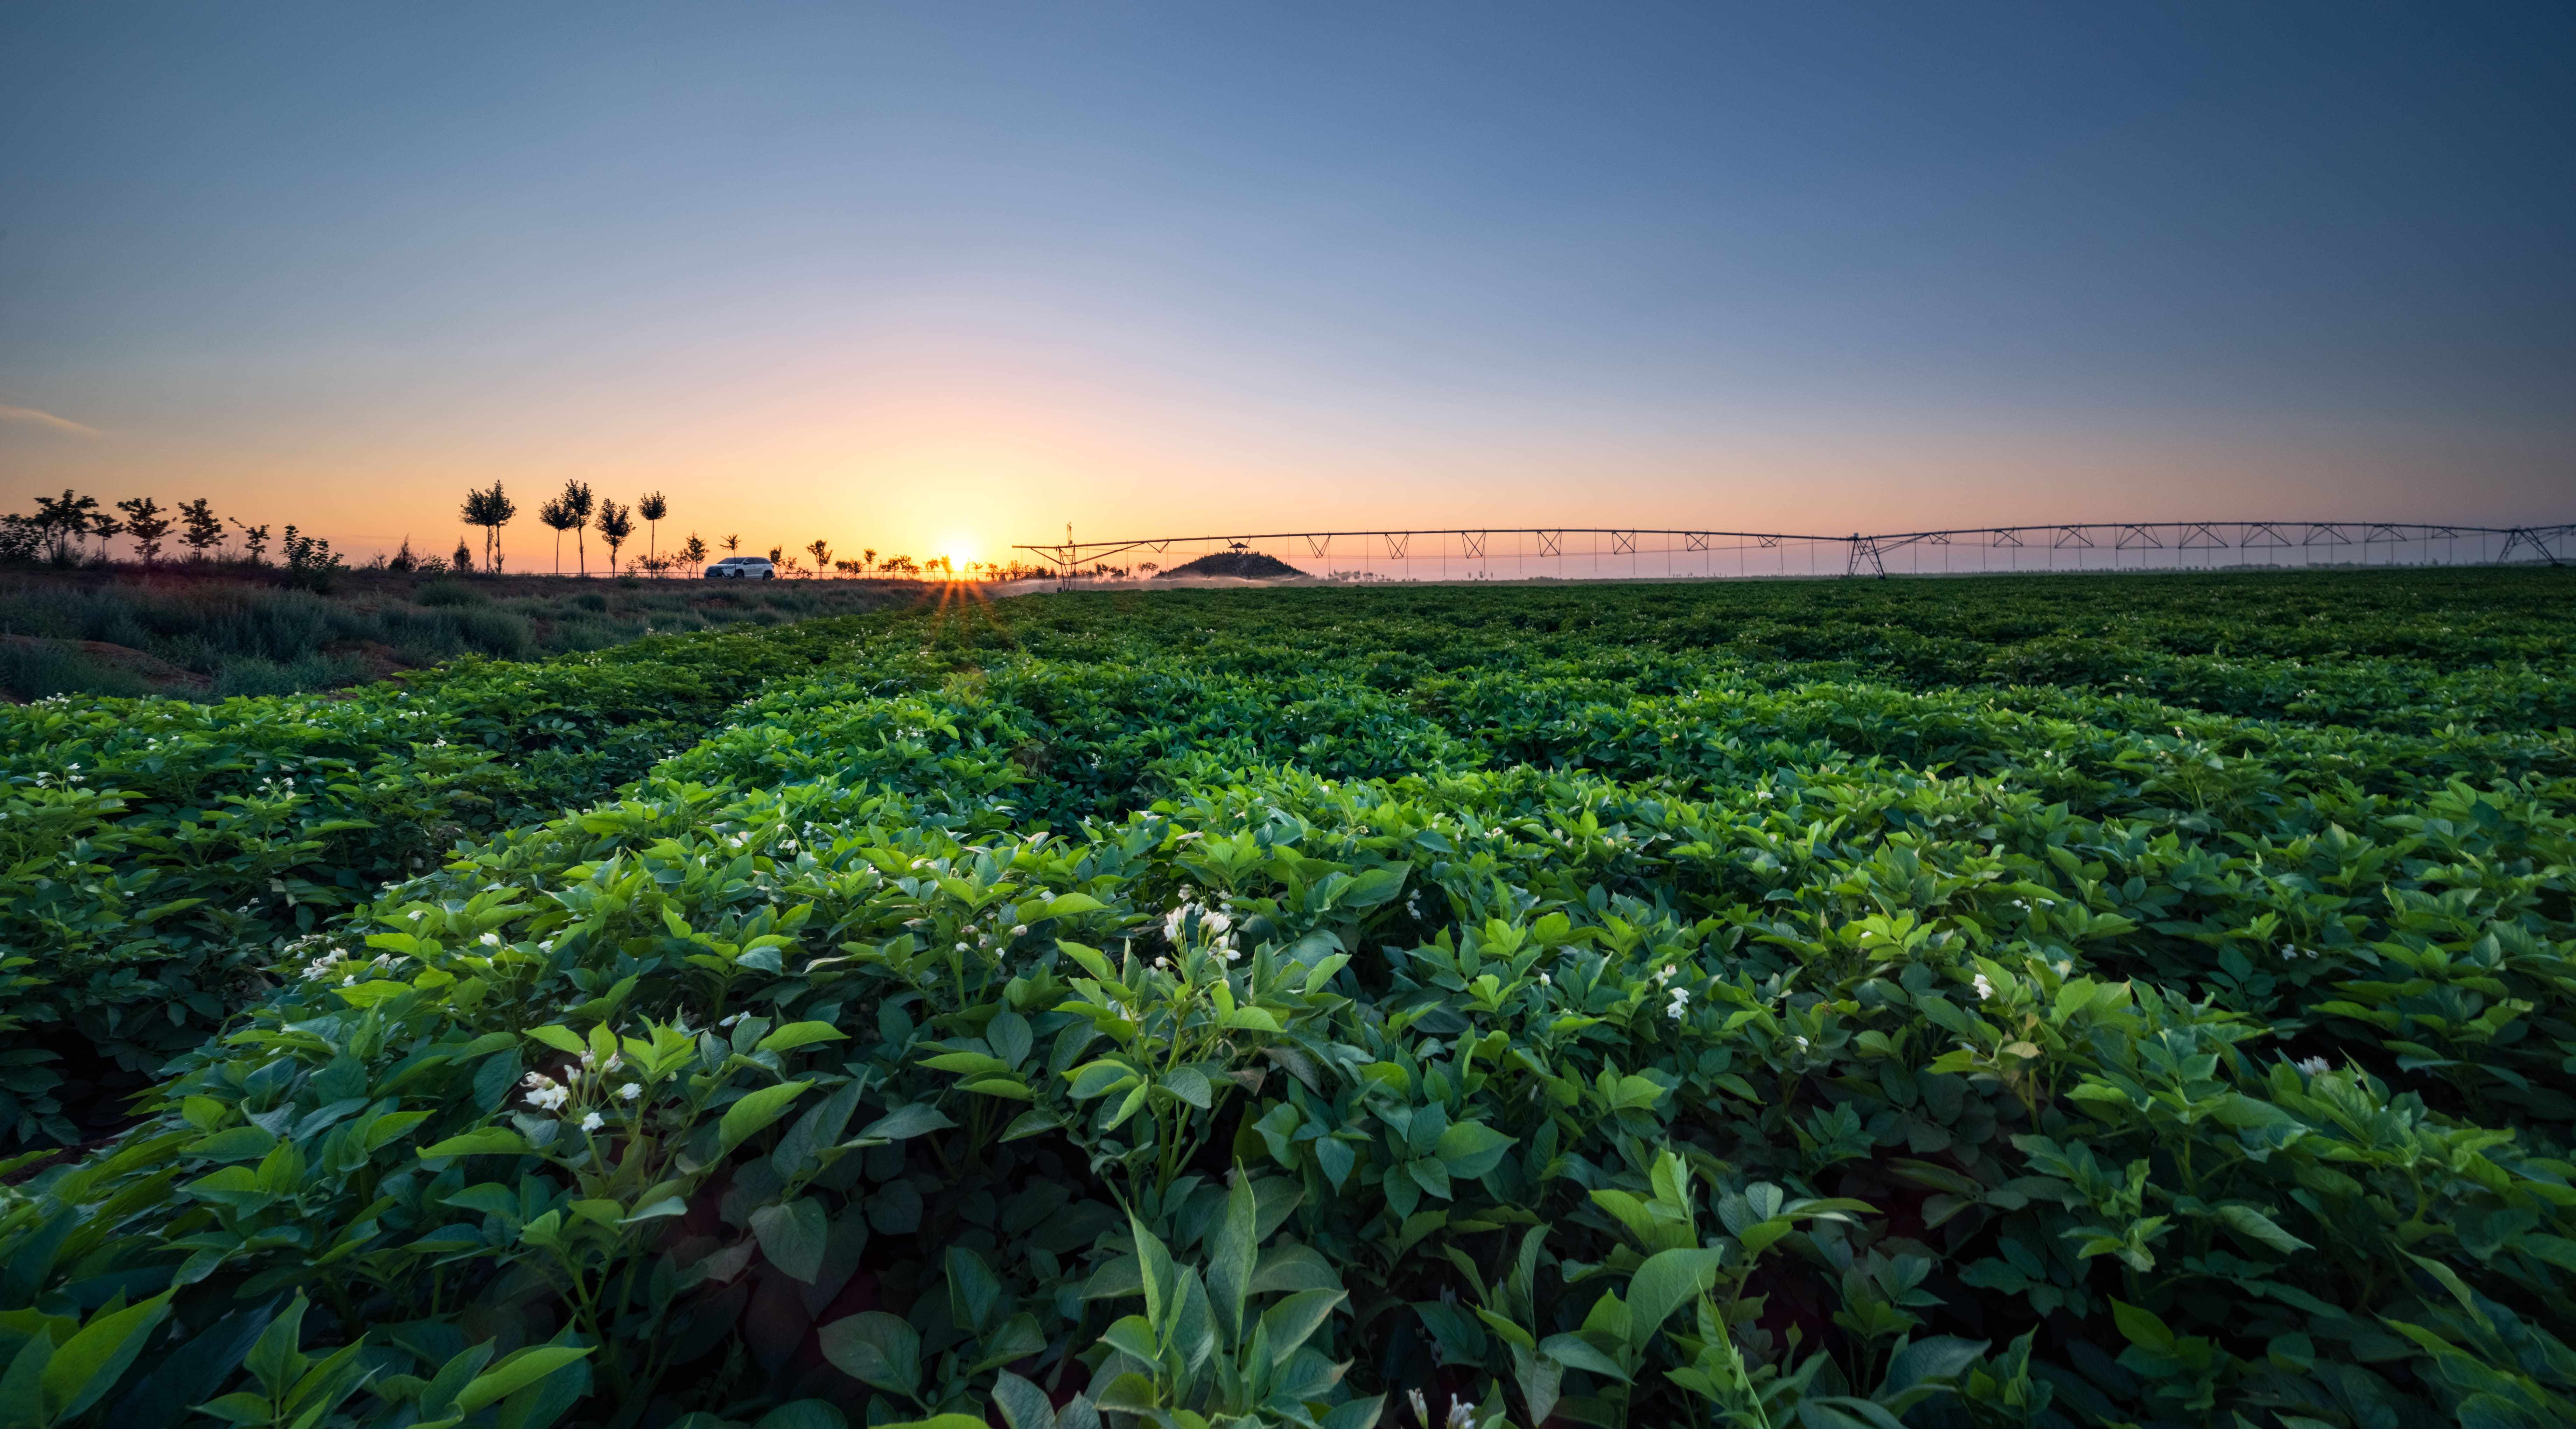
[
  {"x": 1189, "y": 921},
  {"x": 1679, "y": 1006},
  {"x": 1985, "y": 988}
]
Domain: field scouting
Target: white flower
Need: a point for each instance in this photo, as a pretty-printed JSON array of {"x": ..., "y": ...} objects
[
  {"x": 1801, "y": 1041},
  {"x": 1461, "y": 1415},
  {"x": 728, "y": 1022},
  {"x": 2313, "y": 1066},
  {"x": 1985, "y": 989},
  {"x": 961, "y": 947},
  {"x": 629, "y": 1092},
  {"x": 589, "y": 1058},
  {"x": 549, "y": 1097},
  {"x": 592, "y": 1121},
  {"x": 1019, "y": 930},
  {"x": 1421, "y": 1410},
  {"x": 1679, "y": 1005},
  {"x": 491, "y": 940},
  {"x": 1545, "y": 981}
]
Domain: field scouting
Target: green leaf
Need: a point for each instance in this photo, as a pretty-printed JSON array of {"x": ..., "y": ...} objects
[
  {"x": 1293, "y": 1319},
  {"x": 1231, "y": 1260},
  {"x": 89, "y": 1363},
  {"x": 1667, "y": 1281},
  {"x": 240, "y": 1143},
  {"x": 749, "y": 1116},
  {"x": 876, "y": 1348},
  {"x": 1576, "y": 1352},
  {"x": 519, "y": 1370},
  {"x": 2261, "y": 1227},
  {"x": 1470, "y": 1149},
  {"x": 485, "y": 1141},
  {"x": 2142, "y": 1327},
  {"x": 562, "y": 1039},
  {"x": 1190, "y": 1085},
  {"x": 1023, "y": 1404},
  {"x": 801, "y": 1034},
  {"x": 906, "y": 1122},
  {"x": 793, "y": 1236}
]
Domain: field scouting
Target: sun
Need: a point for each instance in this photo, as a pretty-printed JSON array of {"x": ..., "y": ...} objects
[{"x": 959, "y": 550}]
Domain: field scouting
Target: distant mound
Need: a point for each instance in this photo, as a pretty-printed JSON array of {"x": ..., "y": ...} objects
[{"x": 1247, "y": 565}]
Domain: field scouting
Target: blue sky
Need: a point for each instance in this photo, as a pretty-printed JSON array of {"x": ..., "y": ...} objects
[{"x": 971, "y": 271}]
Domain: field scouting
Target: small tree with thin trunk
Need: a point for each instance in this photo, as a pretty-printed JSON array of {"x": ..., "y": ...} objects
[
  {"x": 64, "y": 521},
  {"x": 204, "y": 531},
  {"x": 577, "y": 499},
  {"x": 106, "y": 528},
  {"x": 254, "y": 540},
  {"x": 490, "y": 510},
  {"x": 148, "y": 524},
  {"x": 652, "y": 508},
  {"x": 463, "y": 560},
  {"x": 559, "y": 518},
  {"x": 868, "y": 559},
  {"x": 615, "y": 524},
  {"x": 732, "y": 544},
  {"x": 822, "y": 550},
  {"x": 694, "y": 551}
]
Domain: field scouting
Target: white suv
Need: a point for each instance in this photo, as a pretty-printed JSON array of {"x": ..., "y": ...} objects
[{"x": 743, "y": 568}]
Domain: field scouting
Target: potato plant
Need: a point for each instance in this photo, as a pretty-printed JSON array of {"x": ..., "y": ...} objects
[{"x": 2090, "y": 1001}]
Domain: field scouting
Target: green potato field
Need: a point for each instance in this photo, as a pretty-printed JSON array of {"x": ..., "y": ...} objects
[{"x": 1986, "y": 1002}]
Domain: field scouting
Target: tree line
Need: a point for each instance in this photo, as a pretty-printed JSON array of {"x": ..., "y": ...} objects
[{"x": 73, "y": 529}]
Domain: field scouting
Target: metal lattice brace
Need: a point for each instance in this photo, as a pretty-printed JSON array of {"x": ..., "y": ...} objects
[
  {"x": 1396, "y": 541},
  {"x": 2325, "y": 534},
  {"x": 1475, "y": 543},
  {"x": 2136, "y": 536},
  {"x": 2263, "y": 535},
  {"x": 2199, "y": 537},
  {"x": 2538, "y": 540},
  {"x": 1551, "y": 543},
  {"x": 2071, "y": 536},
  {"x": 1864, "y": 550},
  {"x": 1768, "y": 542},
  {"x": 1694, "y": 540},
  {"x": 1623, "y": 543},
  {"x": 2380, "y": 533},
  {"x": 2007, "y": 536},
  {"x": 1318, "y": 545}
]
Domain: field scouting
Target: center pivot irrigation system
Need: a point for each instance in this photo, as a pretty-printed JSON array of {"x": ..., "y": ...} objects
[{"x": 1599, "y": 553}]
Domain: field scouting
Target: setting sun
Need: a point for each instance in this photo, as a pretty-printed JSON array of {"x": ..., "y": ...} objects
[{"x": 959, "y": 550}]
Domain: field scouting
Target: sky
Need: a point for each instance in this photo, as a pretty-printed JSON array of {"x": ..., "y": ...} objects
[{"x": 952, "y": 276}]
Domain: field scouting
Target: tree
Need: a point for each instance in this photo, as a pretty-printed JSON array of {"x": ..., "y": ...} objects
[
  {"x": 558, "y": 516},
  {"x": 205, "y": 533},
  {"x": 615, "y": 524},
  {"x": 652, "y": 508},
  {"x": 577, "y": 500},
  {"x": 254, "y": 539},
  {"x": 463, "y": 560},
  {"x": 694, "y": 551},
  {"x": 490, "y": 510},
  {"x": 148, "y": 524},
  {"x": 64, "y": 520},
  {"x": 731, "y": 543},
  {"x": 106, "y": 528},
  {"x": 822, "y": 550}
]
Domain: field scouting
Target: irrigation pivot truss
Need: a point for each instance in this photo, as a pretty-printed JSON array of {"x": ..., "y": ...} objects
[{"x": 1601, "y": 552}]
